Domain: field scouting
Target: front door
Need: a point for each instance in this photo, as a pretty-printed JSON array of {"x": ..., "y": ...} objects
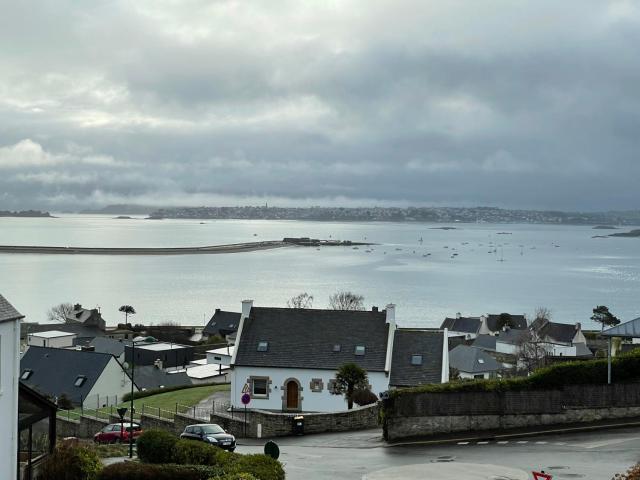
[{"x": 292, "y": 395}]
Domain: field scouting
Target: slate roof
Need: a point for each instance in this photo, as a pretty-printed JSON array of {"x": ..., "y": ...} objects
[
  {"x": 512, "y": 336},
  {"x": 305, "y": 338},
  {"x": 485, "y": 342},
  {"x": 518, "y": 322},
  {"x": 472, "y": 360},
  {"x": 7, "y": 312},
  {"x": 552, "y": 331},
  {"x": 81, "y": 330},
  {"x": 408, "y": 342},
  {"x": 55, "y": 370},
  {"x": 462, "y": 324},
  {"x": 222, "y": 323},
  {"x": 151, "y": 378},
  {"x": 108, "y": 345}
]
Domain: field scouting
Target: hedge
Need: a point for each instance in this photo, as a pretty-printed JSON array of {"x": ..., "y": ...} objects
[
  {"x": 148, "y": 393},
  {"x": 624, "y": 368},
  {"x": 156, "y": 446},
  {"x": 144, "y": 471},
  {"x": 190, "y": 452},
  {"x": 71, "y": 463}
]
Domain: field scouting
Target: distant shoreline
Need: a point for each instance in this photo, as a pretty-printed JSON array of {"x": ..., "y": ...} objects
[{"x": 212, "y": 249}]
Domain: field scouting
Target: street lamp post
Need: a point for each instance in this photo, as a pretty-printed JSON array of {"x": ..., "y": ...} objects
[{"x": 133, "y": 348}]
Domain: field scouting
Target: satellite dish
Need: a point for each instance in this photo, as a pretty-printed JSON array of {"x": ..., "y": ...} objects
[{"x": 126, "y": 365}]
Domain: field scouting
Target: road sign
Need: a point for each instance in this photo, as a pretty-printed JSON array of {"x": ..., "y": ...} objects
[
  {"x": 246, "y": 388},
  {"x": 121, "y": 412},
  {"x": 271, "y": 449},
  {"x": 541, "y": 476},
  {"x": 245, "y": 399}
]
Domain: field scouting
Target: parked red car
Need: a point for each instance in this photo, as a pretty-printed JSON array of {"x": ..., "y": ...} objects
[{"x": 117, "y": 433}]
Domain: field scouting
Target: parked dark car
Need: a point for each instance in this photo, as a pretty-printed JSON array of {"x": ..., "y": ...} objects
[
  {"x": 210, "y": 433},
  {"x": 117, "y": 433}
]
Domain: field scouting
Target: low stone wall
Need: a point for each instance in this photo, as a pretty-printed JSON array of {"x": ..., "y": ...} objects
[
  {"x": 431, "y": 414},
  {"x": 84, "y": 427}
]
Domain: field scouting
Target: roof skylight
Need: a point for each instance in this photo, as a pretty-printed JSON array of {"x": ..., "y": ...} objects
[
  {"x": 416, "y": 359},
  {"x": 359, "y": 350},
  {"x": 263, "y": 346}
]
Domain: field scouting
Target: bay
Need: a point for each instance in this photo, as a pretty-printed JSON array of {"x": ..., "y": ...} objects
[{"x": 513, "y": 268}]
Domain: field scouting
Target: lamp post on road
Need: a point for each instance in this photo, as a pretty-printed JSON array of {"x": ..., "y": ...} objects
[{"x": 133, "y": 351}]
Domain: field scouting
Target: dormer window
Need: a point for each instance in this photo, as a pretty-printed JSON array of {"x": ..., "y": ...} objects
[
  {"x": 416, "y": 359},
  {"x": 26, "y": 374},
  {"x": 263, "y": 346},
  {"x": 359, "y": 350},
  {"x": 337, "y": 347},
  {"x": 80, "y": 379}
]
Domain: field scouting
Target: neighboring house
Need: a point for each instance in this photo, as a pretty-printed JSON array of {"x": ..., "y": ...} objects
[
  {"x": 561, "y": 339},
  {"x": 87, "y": 317},
  {"x": 220, "y": 356},
  {"x": 509, "y": 340},
  {"x": 467, "y": 327},
  {"x": 485, "y": 342},
  {"x": 152, "y": 378},
  {"x": 9, "y": 371},
  {"x": 472, "y": 327},
  {"x": 51, "y": 338},
  {"x": 471, "y": 362},
  {"x": 287, "y": 358},
  {"x": 82, "y": 332},
  {"x": 107, "y": 345},
  {"x": 88, "y": 378},
  {"x": 208, "y": 373},
  {"x": 222, "y": 324},
  {"x": 162, "y": 354},
  {"x": 419, "y": 357}
]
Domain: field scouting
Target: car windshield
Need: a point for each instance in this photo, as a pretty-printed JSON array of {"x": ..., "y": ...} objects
[{"x": 211, "y": 429}]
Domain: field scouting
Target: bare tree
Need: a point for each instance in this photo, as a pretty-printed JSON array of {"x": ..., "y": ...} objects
[
  {"x": 60, "y": 313},
  {"x": 303, "y": 300},
  {"x": 531, "y": 354},
  {"x": 346, "y": 301},
  {"x": 542, "y": 313}
]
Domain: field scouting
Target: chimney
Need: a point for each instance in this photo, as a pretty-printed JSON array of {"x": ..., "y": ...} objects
[
  {"x": 578, "y": 326},
  {"x": 458, "y": 315},
  {"x": 217, "y": 310},
  {"x": 77, "y": 306},
  {"x": 374, "y": 309},
  {"x": 158, "y": 364},
  {"x": 391, "y": 314},
  {"x": 246, "y": 308}
]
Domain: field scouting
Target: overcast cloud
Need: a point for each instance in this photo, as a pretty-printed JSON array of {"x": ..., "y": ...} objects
[{"x": 186, "y": 102}]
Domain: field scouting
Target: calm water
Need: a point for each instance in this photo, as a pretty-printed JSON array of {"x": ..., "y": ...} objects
[{"x": 569, "y": 278}]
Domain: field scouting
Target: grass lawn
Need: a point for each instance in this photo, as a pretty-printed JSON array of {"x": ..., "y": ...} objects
[{"x": 166, "y": 402}]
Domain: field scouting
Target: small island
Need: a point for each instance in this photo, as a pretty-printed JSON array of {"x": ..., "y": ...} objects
[
  {"x": 122, "y": 217},
  {"x": 25, "y": 214},
  {"x": 632, "y": 233},
  {"x": 604, "y": 227}
]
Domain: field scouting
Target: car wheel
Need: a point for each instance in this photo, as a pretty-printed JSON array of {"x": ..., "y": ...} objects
[{"x": 232, "y": 449}]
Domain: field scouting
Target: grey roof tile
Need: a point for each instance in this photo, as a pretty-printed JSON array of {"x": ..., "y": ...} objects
[
  {"x": 55, "y": 370},
  {"x": 222, "y": 323},
  {"x": 485, "y": 342},
  {"x": 472, "y": 360},
  {"x": 304, "y": 338},
  {"x": 462, "y": 324},
  {"x": 8, "y": 312},
  {"x": 408, "y": 342},
  {"x": 519, "y": 322},
  {"x": 151, "y": 378}
]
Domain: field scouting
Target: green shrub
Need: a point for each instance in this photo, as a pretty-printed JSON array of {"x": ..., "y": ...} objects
[
  {"x": 156, "y": 446},
  {"x": 71, "y": 463},
  {"x": 189, "y": 452},
  {"x": 144, "y": 471},
  {"x": 236, "y": 476},
  {"x": 259, "y": 465}
]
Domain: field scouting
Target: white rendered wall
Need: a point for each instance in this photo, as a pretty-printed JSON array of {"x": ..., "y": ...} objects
[
  {"x": 311, "y": 401},
  {"x": 506, "y": 348},
  {"x": 110, "y": 387},
  {"x": 53, "y": 342},
  {"x": 9, "y": 371}
]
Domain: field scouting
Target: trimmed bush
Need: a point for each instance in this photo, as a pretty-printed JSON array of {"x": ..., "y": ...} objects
[
  {"x": 143, "y": 471},
  {"x": 71, "y": 463},
  {"x": 156, "y": 446},
  {"x": 364, "y": 396},
  {"x": 259, "y": 465},
  {"x": 190, "y": 452}
]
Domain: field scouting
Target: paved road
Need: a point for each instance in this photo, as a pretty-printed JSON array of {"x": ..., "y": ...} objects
[{"x": 363, "y": 455}]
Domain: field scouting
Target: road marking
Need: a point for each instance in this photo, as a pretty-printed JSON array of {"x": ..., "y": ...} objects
[
  {"x": 503, "y": 442},
  {"x": 604, "y": 443},
  {"x": 541, "y": 443},
  {"x": 523, "y": 441},
  {"x": 482, "y": 443},
  {"x": 463, "y": 443},
  {"x": 560, "y": 443}
]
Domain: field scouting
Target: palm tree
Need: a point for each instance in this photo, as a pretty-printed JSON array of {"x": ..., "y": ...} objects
[
  {"x": 127, "y": 310},
  {"x": 349, "y": 378}
]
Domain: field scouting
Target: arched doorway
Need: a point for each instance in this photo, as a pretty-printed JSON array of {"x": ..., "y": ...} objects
[{"x": 293, "y": 395}]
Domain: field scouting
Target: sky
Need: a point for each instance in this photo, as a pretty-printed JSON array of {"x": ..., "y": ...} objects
[{"x": 352, "y": 103}]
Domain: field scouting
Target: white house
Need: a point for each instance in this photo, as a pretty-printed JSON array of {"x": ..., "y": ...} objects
[
  {"x": 489, "y": 324},
  {"x": 51, "y": 338},
  {"x": 286, "y": 358},
  {"x": 9, "y": 368},
  {"x": 472, "y": 362},
  {"x": 89, "y": 378}
]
